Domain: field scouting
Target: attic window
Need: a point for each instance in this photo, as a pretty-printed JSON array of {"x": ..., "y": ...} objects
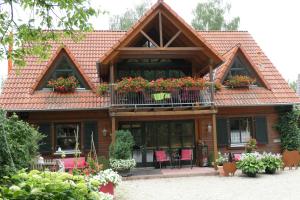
[{"x": 65, "y": 68}]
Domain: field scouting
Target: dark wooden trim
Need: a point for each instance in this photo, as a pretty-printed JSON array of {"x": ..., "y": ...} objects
[
  {"x": 148, "y": 37},
  {"x": 161, "y": 49},
  {"x": 160, "y": 30},
  {"x": 173, "y": 38}
]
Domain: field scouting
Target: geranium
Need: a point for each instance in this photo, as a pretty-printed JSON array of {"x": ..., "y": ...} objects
[
  {"x": 62, "y": 84},
  {"x": 240, "y": 81},
  {"x": 102, "y": 89},
  {"x": 132, "y": 84}
]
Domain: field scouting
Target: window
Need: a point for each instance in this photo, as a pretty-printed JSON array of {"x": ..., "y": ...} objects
[
  {"x": 240, "y": 130},
  {"x": 66, "y": 135},
  {"x": 64, "y": 68},
  {"x": 239, "y": 68}
]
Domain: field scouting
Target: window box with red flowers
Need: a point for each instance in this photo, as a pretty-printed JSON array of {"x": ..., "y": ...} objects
[
  {"x": 239, "y": 81},
  {"x": 64, "y": 85}
]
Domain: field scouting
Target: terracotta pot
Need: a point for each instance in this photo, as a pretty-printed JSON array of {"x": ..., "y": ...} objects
[
  {"x": 221, "y": 170},
  {"x": 229, "y": 168},
  {"x": 108, "y": 188},
  {"x": 291, "y": 159}
]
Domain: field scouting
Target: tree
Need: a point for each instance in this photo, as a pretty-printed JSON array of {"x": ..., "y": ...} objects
[
  {"x": 19, "y": 144},
  {"x": 30, "y": 25},
  {"x": 128, "y": 18},
  {"x": 212, "y": 15},
  {"x": 293, "y": 85}
]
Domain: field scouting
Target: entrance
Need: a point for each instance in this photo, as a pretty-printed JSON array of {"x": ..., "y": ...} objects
[{"x": 167, "y": 135}]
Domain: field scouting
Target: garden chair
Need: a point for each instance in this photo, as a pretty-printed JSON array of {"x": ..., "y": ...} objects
[
  {"x": 69, "y": 163},
  {"x": 161, "y": 157},
  {"x": 187, "y": 155}
]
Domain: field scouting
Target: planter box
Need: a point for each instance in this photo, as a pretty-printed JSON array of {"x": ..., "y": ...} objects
[
  {"x": 291, "y": 159},
  {"x": 108, "y": 188}
]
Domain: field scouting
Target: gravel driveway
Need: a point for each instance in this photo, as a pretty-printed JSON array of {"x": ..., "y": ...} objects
[{"x": 282, "y": 186}]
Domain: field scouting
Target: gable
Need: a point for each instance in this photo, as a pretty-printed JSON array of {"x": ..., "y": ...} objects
[
  {"x": 162, "y": 29},
  {"x": 239, "y": 63},
  {"x": 63, "y": 64}
]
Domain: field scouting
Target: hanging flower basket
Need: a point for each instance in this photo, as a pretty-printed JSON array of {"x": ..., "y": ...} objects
[{"x": 64, "y": 85}]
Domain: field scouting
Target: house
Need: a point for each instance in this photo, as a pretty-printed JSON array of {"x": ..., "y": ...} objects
[{"x": 160, "y": 45}]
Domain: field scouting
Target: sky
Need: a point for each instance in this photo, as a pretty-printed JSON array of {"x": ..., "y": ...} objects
[{"x": 274, "y": 24}]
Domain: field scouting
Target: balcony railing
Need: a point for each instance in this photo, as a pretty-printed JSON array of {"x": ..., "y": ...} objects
[{"x": 169, "y": 98}]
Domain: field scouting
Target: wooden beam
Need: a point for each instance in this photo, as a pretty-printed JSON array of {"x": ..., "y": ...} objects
[
  {"x": 211, "y": 79},
  {"x": 111, "y": 73},
  {"x": 160, "y": 30},
  {"x": 161, "y": 49},
  {"x": 113, "y": 129},
  {"x": 173, "y": 38},
  {"x": 161, "y": 113},
  {"x": 148, "y": 37},
  {"x": 215, "y": 142}
]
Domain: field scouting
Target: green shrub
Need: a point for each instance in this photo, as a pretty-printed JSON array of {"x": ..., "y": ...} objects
[
  {"x": 51, "y": 185},
  {"x": 122, "y": 147},
  {"x": 288, "y": 127},
  {"x": 271, "y": 162},
  {"x": 19, "y": 144},
  {"x": 104, "y": 161},
  {"x": 250, "y": 164}
]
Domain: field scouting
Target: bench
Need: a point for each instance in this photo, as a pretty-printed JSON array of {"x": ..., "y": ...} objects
[{"x": 69, "y": 163}]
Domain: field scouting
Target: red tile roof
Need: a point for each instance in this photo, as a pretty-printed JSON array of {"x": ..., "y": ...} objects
[{"x": 16, "y": 94}]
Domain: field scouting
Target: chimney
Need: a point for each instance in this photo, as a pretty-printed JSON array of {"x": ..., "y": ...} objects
[{"x": 10, "y": 49}]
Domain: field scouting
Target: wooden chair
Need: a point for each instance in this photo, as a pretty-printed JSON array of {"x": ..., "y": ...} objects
[
  {"x": 187, "y": 155},
  {"x": 161, "y": 157}
]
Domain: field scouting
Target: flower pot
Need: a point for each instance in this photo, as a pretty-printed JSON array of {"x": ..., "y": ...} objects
[
  {"x": 108, "y": 188},
  {"x": 270, "y": 170},
  {"x": 124, "y": 172},
  {"x": 221, "y": 170},
  {"x": 250, "y": 174},
  {"x": 229, "y": 168}
]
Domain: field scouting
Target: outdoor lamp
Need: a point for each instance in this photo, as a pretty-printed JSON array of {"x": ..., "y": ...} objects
[
  {"x": 209, "y": 127},
  {"x": 104, "y": 132}
]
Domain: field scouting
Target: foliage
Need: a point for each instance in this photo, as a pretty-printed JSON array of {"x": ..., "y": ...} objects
[
  {"x": 32, "y": 35},
  {"x": 19, "y": 144},
  {"x": 218, "y": 85},
  {"x": 239, "y": 81},
  {"x": 93, "y": 167},
  {"x": 51, "y": 185},
  {"x": 250, "y": 164},
  {"x": 271, "y": 162},
  {"x": 63, "y": 85},
  {"x": 288, "y": 127},
  {"x": 102, "y": 89},
  {"x": 251, "y": 145},
  {"x": 221, "y": 159},
  {"x": 132, "y": 84},
  {"x": 212, "y": 15},
  {"x": 122, "y": 147},
  {"x": 122, "y": 164},
  {"x": 127, "y": 19},
  {"x": 108, "y": 176},
  {"x": 104, "y": 162},
  {"x": 293, "y": 85}
]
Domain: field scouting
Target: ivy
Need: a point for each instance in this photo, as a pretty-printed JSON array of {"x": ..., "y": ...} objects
[{"x": 288, "y": 127}]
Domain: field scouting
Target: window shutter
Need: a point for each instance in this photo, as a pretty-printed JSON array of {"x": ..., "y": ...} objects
[
  {"x": 89, "y": 127},
  {"x": 261, "y": 130},
  {"x": 222, "y": 132},
  {"x": 45, "y": 144}
]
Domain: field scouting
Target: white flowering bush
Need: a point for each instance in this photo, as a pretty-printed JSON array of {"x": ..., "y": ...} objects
[
  {"x": 108, "y": 175},
  {"x": 120, "y": 164},
  {"x": 250, "y": 163},
  {"x": 221, "y": 159},
  {"x": 271, "y": 162}
]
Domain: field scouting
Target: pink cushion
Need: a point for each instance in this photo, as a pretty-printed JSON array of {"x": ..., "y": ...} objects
[
  {"x": 186, "y": 154},
  {"x": 161, "y": 156},
  {"x": 69, "y": 163}
]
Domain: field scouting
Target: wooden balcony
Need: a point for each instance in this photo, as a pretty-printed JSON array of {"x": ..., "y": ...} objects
[{"x": 184, "y": 97}]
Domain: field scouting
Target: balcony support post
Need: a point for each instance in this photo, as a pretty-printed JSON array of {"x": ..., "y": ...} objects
[
  {"x": 215, "y": 142},
  {"x": 113, "y": 129},
  {"x": 211, "y": 79},
  {"x": 112, "y": 80}
]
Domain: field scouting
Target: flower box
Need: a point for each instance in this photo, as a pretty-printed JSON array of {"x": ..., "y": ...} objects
[
  {"x": 63, "y": 85},
  {"x": 239, "y": 81}
]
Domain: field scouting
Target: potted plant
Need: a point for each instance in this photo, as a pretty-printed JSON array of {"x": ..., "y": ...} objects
[
  {"x": 121, "y": 153},
  {"x": 251, "y": 145},
  {"x": 271, "y": 162},
  {"x": 102, "y": 89},
  {"x": 239, "y": 81},
  {"x": 250, "y": 164},
  {"x": 220, "y": 162},
  {"x": 63, "y": 85},
  {"x": 108, "y": 180},
  {"x": 229, "y": 167}
]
